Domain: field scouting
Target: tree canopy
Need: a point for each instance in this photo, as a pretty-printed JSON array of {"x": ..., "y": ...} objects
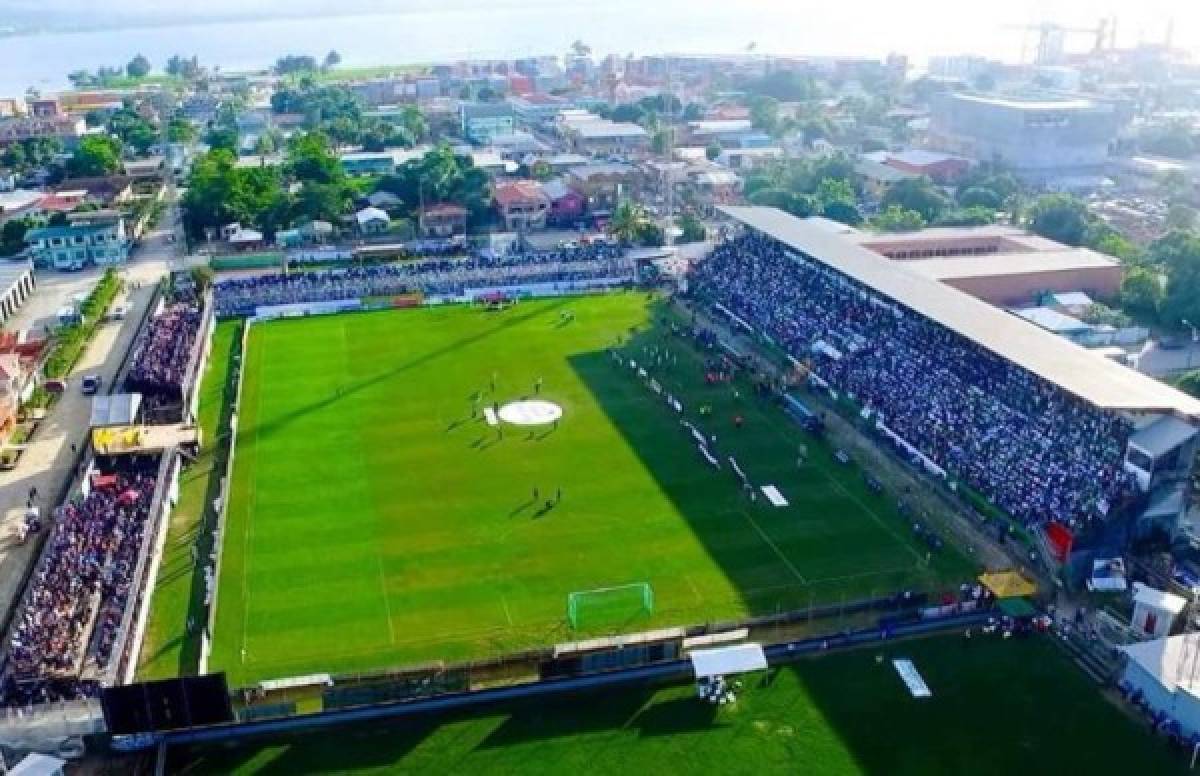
[
  {"x": 1060, "y": 217},
  {"x": 133, "y": 130},
  {"x": 138, "y": 67},
  {"x": 441, "y": 176},
  {"x": 898, "y": 219},
  {"x": 96, "y": 155},
  {"x": 917, "y": 195},
  {"x": 1178, "y": 256}
]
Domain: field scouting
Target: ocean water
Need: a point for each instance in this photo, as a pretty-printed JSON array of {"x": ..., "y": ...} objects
[
  {"x": 509, "y": 28},
  {"x": 416, "y": 31}
]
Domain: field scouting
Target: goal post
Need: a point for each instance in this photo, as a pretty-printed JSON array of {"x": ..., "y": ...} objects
[{"x": 603, "y": 606}]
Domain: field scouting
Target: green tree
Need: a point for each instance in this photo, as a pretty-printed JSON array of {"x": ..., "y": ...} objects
[
  {"x": 844, "y": 212},
  {"x": 133, "y": 130},
  {"x": 1113, "y": 243},
  {"x": 203, "y": 276},
  {"x": 321, "y": 201},
  {"x": 12, "y": 236},
  {"x": 966, "y": 216},
  {"x": 184, "y": 67},
  {"x": 691, "y": 228},
  {"x": 222, "y": 138},
  {"x": 332, "y": 60},
  {"x": 712, "y": 151},
  {"x": 1181, "y": 217},
  {"x": 96, "y": 155},
  {"x": 831, "y": 190},
  {"x": 1189, "y": 383},
  {"x": 180, "y": 130},
  {"x": 979, "y": 196},
  {"x": 660, "y": 141},
  {"x": 219, "y": 192},
  {"x": 1141, "y": 293},
  {"x": 919, "y": 195},
  {"x": 311, "y": 159},
  {"x": 628, "y": 222},
  {"x": 897, "y": 219},
  {"x": 1179, "y": 256},
  {"x": 799, "y": 205},
  {"x": 764, "y": 114},
  {"x": 138, "y": 67},
  {"x": 1060, "y": 217},
  {"x": 293, "y": 64}
]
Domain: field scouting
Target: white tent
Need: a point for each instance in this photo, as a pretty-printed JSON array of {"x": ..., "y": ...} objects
[
  {"x": 723, "y": 661},
  {"x": 1166, "y": 671},
  {"x": 1155, "y": 611}
]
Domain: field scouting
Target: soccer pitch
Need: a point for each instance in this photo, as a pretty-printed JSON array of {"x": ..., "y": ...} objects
[
  {"x": 373, "y": 522},
  {"x": 998, "y": 707}
]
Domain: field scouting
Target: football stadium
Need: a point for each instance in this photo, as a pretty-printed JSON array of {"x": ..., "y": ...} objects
[
  {"x": 798, "y": 497},
  {"x": 388, "y": 508}
]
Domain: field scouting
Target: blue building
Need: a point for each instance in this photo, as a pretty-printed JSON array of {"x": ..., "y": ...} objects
[
  {"x": 481, "y": 121},
  {"x": 98, "y": 242}
]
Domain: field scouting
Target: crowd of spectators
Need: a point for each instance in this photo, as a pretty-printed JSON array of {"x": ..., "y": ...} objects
[
  {"x": 441, "y": 277},
  {"x": 71, "y": 615},
  {"x": 164, "y": 350},
  {"x": 1034, "y": 450}
]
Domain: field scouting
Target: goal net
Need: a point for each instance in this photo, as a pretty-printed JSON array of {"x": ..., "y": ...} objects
[{"x": 606, "y": 606}]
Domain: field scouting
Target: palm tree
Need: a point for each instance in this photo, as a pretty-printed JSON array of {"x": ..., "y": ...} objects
[{"x": 628, "y": 221}]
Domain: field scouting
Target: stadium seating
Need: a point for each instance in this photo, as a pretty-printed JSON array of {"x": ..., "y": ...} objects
[
  {"x": 435, "y": 277},
  {"x": 73, "y": 607},
  {"x": 1025, "y": 444},
  {"x": 162, "y": 353}
]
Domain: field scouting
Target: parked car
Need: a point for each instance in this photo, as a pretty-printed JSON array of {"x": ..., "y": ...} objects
[
  {"x": 118, "y": 312},
  {"x": 90, "y": 385}
]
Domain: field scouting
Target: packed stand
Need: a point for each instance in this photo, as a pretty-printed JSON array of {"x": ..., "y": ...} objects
[
  {"x": 1032, "y": 449},
  {"x": 445, "y": 277},
  {"x": 163, "y": 352},
  {"x": 72, "y": 612}
]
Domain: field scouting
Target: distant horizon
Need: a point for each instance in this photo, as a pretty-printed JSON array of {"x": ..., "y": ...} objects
[{"x": 250, "y": 36}]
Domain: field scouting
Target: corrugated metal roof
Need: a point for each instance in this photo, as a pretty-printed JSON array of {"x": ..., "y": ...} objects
[{"x": 1092, "y": 378}]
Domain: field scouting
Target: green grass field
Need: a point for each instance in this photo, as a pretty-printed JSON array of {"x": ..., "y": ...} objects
[
  {"x": 169, "y": 649},
  {"x": 373, "y": 523},
  {"x": 998, "y": 707}
]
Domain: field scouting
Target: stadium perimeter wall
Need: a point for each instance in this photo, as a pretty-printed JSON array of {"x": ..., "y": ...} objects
[{"x": 657, "y": 673}]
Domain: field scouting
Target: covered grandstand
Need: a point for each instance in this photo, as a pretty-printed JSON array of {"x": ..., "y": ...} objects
[{"x": 1011, "y": 375}]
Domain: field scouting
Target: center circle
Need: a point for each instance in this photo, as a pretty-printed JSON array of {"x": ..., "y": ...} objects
[{"x": 530, "y": 412}]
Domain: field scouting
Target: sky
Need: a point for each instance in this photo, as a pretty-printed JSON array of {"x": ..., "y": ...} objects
[{"x": 916, "y": 23}]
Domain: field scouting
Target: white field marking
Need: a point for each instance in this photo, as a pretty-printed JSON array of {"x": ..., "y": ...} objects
[
  {"x": 387, "y": 605},
  {"x": 874, "y": 515},
  {"x": 775, "y": 547},
  {"x": 530, "y": 412},
  {"x": 687, "y": 578},
  {"x": 507, "y": 614}
]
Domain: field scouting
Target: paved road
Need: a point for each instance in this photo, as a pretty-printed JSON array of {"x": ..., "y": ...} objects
[{"x": 48, "y": 461}]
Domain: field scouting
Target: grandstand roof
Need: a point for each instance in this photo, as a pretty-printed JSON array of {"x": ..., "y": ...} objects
[{"x": 1092, "y": 378}]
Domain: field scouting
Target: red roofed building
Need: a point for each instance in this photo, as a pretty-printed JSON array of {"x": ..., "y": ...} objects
[
  {"x": 444, "y": 219},
  {"x": 522, "y": 205}
]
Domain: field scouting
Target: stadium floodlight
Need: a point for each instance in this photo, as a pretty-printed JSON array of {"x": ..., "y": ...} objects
[{"x": 609, "y": 605}]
